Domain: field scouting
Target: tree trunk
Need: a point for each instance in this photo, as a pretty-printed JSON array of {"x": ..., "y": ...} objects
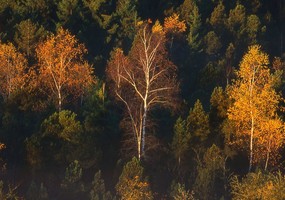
[
  {"x": 139, "y": 148},
  {"x": 143, "y": 129},
  {"x": 252, "y": 81},
  {"x": 251, "y": 143},
  {"x": 267, "y": 156},
  {"x": 59, "y": 101}
]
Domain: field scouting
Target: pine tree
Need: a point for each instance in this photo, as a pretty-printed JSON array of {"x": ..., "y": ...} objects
[
  {"x": 181, "y": 140},
  {"x": 197, "y": 123}
]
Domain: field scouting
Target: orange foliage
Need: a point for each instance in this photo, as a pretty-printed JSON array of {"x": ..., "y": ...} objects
[
  {"x": 62, "y": 69},
  {"x": 172, "y": 24},
  {"x": 12, "y": 70},
  {"x": 2, "y": 146},
  {"x": 135, "y": 189}
]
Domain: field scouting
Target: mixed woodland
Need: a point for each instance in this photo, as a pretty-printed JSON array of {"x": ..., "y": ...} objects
[{"x": 142, "y": 99}]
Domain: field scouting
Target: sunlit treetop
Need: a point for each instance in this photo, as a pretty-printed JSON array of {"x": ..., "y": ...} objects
[
  {"x": 62, "y": 68},
  {"x": 174, "y": 25},
  {"x": 157, "y": 28}
]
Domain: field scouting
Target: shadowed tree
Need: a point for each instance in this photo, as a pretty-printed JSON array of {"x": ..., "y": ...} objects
[
  {"x": 143, "y": 80},
  {"x": 180, "y": 143},
  {"x": 210, "y": 170},
  {"x": 218, "y": 17},
  {"x": 127, "y": 17},
  {"x": 28, "y": 35},
  {"x": 236, "y": 21},
  {"x": 65, "y": 10},
  {"x": 98, "y": 190},
  {"x": 193, "y": 38},
  {"x": 253, "y": 26},
  {"x": 197, "y": 123}
]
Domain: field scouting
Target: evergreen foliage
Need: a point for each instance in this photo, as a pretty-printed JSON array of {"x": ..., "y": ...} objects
[{"x": 59, "y": 124}]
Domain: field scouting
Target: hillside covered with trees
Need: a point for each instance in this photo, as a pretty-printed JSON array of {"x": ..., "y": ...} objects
[{"x": 142, "y": 99}]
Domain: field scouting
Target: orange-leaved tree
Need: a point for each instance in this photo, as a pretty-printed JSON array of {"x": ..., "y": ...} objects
[
  {"x": 62, "y": 69},
  {"x": 254, "y": 108},
  {"x": 13, "y": 66},
  {"x": 173, "y": 26},
  {"x": 143, "y": 80}
]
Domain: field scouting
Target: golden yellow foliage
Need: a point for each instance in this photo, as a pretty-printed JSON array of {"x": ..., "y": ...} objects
[
  {"x": 258, "y": 185},
  {"x": 255, "y": 106},
  {"x": 157, "y": 28},
  {"x": 139, "y": 23}
]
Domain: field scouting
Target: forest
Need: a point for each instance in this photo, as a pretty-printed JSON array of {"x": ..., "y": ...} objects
[{"x": 142, "y": 99}]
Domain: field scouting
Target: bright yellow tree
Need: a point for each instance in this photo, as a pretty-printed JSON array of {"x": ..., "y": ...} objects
[
  {"x": 62, "y": 69},
  {"x": 12, "y": 70},
  {"x": 254, "y": 107}
]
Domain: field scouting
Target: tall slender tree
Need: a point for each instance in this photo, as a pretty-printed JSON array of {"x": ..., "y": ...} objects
[
  {"x": 255, "y": 103},
  {"x": 144, "y": 79}
]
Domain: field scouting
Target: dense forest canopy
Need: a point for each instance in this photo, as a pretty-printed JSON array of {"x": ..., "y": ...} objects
[{"x": 142, "y": 99}]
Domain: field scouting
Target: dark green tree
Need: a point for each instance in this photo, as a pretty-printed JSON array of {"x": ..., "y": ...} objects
[
  {"x": 236, "y": 21},
  {"x": 179, "y": 192},
  {"x": 253, "y": 27},
  {"x": 63, "y": 125},
  {"x": 212, "y": 43},
  {"x": 98, "y": 190},
  {"x": 36, "y": 192},
  {"x": 218, "y": 17},
  {"x": 210, "y": 170},
  {"x": 127, "y": 18},
  {"x": 194, "y": 23},
  {"x": 181, "y": 140},
  {"x": 65, "y": 10},
  {"x": 186, "y": 9},
  {"x": 197, "y": 123},
  {"x": 27, "y": 35}
]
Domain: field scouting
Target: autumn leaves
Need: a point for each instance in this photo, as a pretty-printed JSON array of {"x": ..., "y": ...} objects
[
  {"x": 60, "y": 70},
  {"x": 13, "y": 67},
  {"x": 253, "y": 114},
  {"x": 145, "y": 78}
]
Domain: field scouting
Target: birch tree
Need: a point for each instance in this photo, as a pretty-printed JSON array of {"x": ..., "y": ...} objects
[
  {"x": 143, "y": 80},
  {"x": 62, "y": 70},
  {"x": 255, "y": 106}
]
